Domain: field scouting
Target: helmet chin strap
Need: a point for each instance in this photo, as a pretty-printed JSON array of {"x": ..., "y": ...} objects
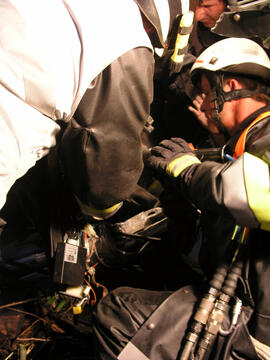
[
  {"x": 216, "y": 108},
  {"x": 219, "y": 97}
]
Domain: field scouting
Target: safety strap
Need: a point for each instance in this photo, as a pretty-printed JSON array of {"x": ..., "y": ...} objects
[{"x": 240, "y": 145}]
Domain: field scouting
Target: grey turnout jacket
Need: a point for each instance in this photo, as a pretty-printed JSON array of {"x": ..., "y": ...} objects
[{"x": 51, "y": 52}]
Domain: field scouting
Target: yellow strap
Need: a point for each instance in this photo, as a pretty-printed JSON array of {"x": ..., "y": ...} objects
[
  {"x": 256, "y": 173},
  {"x": 176, "y": 166}
]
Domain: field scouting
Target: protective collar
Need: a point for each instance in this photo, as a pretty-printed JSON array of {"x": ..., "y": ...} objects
[{"x": 152, "y": 20}]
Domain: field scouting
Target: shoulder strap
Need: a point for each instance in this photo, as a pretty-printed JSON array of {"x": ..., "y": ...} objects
[{"x": 240, "y": 145}]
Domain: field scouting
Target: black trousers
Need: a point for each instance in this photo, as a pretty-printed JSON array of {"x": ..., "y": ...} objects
[{"x": 154, "y": 323}]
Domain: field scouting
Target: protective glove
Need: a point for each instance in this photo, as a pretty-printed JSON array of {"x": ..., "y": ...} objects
[{"x": 172, "y": 157}]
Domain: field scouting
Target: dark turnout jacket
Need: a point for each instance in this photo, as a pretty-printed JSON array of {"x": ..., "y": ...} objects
[
  {"x": 230, "y": 190},
  {"x": 142, "y": 324}
]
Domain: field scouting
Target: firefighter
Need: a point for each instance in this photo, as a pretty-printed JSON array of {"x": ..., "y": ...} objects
[
  {"x": 174, "y": 91},
  {"x": 230, "y": 193},
  {"x": 246, "y": 19},
  {"x": 206, "y": 14},
  {"x": 85, "y": 67}
]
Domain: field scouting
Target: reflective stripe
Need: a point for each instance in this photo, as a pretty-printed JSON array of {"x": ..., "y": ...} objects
[
  {"x": 262, "y": 350},
  {"x": 102, "y": 214},
  {"x": 256, "y": 173},
  {"x": 131, "y": 352},
  {"x": 235, "y": 195},
  {"x": 176, "y": 166}
]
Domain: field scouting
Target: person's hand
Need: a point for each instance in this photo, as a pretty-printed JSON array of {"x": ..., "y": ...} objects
[
  {"x": 218, "y": 139},
  {"x": 196, "y": 110},
  {"x": 171, "y": 157}
]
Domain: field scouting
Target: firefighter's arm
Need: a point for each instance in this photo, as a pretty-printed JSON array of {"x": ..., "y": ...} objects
[
  {"x": 101, "y": 149},
  {"x": 250, "y": 191},
  {"x": 239, "y": 189}
]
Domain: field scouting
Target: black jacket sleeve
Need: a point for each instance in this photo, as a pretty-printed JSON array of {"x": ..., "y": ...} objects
[
  {"x": 101, "y": 149},
  {"x": 228, "y": 189}
]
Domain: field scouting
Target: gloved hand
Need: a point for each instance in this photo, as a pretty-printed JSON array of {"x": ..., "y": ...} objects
[{"x": 172, "y": 157}]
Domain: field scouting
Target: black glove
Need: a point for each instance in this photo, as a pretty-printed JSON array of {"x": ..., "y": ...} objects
[{"x": 171, "y": 157}]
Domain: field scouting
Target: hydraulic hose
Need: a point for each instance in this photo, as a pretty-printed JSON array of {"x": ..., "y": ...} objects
[
  {"x": 204, "y": 310},
  {"x": 217, "y": 315},
  {"x": 209, "y": 315}
]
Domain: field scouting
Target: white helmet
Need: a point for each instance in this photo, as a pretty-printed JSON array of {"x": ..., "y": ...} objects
[{"x": 234, "y": 55}]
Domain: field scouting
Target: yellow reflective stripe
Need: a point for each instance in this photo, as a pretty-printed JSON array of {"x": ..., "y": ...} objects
[
  {"x": 256, "y": 173},
  {"x": 176, "y": 166},
  {"x": 182, "y": 39},
  {"x": 240, "y": 240},
  {"x": 155, "y": 188},
  {"x": 95, "y": 212}
]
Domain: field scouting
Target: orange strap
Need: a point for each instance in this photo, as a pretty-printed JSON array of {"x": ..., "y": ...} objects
[{"x": 240, "y": 145}]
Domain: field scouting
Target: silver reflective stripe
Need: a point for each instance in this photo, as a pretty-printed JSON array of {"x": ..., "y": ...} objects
[
  {"x": 262, "y": 350},
  {"x": 131, "y": 352},
  {"x": 235, "y": 195}
]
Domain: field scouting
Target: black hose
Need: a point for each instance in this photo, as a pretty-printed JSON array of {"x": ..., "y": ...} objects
[{"x": 217, "y": 315}]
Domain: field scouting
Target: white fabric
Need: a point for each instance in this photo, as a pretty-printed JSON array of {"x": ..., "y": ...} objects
[
  {"x": 131, "y": 352},
  {"x": 50, "y": 51},
  {"x": 263, "y": 351},
  {"x": 164, "y": 15}
]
